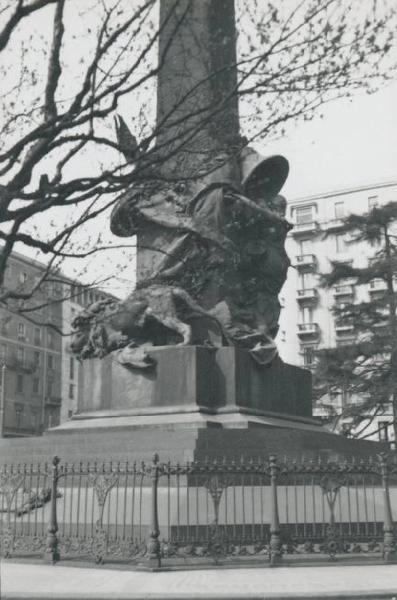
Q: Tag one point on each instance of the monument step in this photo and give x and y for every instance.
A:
(190, 443)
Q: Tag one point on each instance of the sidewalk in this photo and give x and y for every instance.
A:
(23, 581)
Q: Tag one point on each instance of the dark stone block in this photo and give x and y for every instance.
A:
(183, 376)
(277, 388)
(196, 376)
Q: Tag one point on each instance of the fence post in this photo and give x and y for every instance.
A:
(389, 543)
(51, 552)
(275, 539)
(153, 554)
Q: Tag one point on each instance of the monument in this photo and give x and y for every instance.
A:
(187, 365)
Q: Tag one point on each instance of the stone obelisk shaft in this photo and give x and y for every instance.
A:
(197, 113)
(197, 104)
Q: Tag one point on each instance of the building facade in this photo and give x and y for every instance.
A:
(77, 297)
(30, 351)
(307, 322)
(40, 380)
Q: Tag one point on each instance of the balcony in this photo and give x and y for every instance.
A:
(53, 401)
(307, 296)
(381, 327)
(344, 329)
(17, 364)
(345, 291)
(343, 259)
(377, 288)
(305, 262)
(311, 227)
(334, 225)
(308, 331)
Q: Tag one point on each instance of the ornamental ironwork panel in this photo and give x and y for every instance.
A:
(160, 512)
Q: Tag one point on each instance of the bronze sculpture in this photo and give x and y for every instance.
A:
(222, 260)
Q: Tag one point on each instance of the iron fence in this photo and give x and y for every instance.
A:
(154, 513)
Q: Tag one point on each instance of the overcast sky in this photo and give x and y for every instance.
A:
(354, 144)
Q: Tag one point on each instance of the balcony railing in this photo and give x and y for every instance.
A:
(308, 330)
(377, 285)
(309, 295)
(304, 228)
(343, 259)
(305, 261)
(344, 328)
(344, 290)
(17, 364)
(53, 400)
(336, 224)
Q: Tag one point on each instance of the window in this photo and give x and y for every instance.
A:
(18, 413)
(339, 210)
(71, 368)
(372, 202)
(37, 336)
(307, 314)
(57, 289)
(21, 355)
(34, 417)
(50, 361)
(50, 338)
(21, 330)
(308, 356)
(383, 431)
(346, 397)
(49, 387)
(306, 281)
(71, 391)
(8, 272)
(3, 352)
(340, 242)
(304, 214)
(23, 277)
(4, 324)
(306, 246)
(19, 386)
(35, 385)
(36, 358)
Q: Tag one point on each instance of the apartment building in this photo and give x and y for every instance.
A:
(307, 322)
(76, 297)
(40, 380)
(30, 352)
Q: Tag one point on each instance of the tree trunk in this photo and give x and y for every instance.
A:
(393, 328)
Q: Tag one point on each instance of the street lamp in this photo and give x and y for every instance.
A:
(2, 399)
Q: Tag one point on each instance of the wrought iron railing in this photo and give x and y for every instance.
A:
(158, 512)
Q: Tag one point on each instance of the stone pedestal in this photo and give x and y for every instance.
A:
(198, 379)
(198, 402)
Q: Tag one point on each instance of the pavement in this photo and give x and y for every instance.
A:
(22, 581)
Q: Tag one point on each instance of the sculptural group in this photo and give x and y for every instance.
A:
(214, 265)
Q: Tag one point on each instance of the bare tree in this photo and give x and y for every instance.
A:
(70, 68)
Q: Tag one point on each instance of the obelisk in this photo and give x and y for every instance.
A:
(197, 124)
(197, 103)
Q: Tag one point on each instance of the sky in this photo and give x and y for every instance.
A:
(354, 144)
